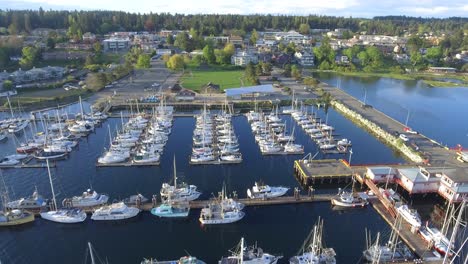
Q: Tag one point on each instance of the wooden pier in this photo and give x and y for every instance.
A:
(215, 162)
(283, 153)
(329, 170)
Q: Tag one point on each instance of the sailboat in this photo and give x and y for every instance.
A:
(249, 255)
(179, 193)
(182, 260)
(313, 251)
(13, 217)
(66, 216)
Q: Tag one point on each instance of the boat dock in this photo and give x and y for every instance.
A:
(25, 164)
(128, 164)
(328, 170)
(215, 162)
(282, 153)
(199, 204)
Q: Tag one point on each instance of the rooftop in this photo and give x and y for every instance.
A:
(266, 88)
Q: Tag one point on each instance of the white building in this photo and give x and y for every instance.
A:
(116, 44)
(243, 58)
(89, 37)
(453, 184)
(292, 36)
(304, 58)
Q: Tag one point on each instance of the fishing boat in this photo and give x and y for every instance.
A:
(215, 214)
(115, 211)
(35, 201)
(177, 193)
(89, 198)
(50, 155)
(26, 149)
(313, 251)
(249, 255)
(410, 215)
(392, 251)
(172, 210)
(15, 217)
(182, 260)
(262, 191)
(65, 216)
(348, 199)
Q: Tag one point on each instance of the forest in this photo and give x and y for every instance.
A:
(101, 22)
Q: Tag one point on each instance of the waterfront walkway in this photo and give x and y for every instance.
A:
(438, 155)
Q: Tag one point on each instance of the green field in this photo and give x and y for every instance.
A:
(433, 83)
(195, 80)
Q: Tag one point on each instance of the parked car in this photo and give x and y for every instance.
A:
(404, 137)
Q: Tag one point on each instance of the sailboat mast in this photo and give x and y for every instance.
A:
(455, 230)
(407, 119)
(175, 175)
(241, 257)
(81, 109)
(51, 185)
(90, 247)
(11, 109)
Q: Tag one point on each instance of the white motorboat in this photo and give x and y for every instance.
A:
(293, 148)
(212, 215)
(344, 142)
(410, 215)
(115, 211)
(35, 201)
(18, 126)
(8, 162)
(183, 260)
(17, 156)
(199, 158)
(89, 198)
(231, 157)
(136, 198)
(249, 255)
(270, 148)
(264, 191)
(146, 158)
(111, 157)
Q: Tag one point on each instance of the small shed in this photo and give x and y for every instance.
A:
(185, 95)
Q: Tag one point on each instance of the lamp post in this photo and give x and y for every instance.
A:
(350, 156)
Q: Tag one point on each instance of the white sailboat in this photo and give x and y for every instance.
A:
(66, 216)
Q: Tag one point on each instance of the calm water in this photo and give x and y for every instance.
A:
(439, 113)
(278, 229)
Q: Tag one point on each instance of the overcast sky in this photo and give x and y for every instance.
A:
(355, 8)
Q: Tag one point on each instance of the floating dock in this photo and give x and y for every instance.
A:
(215, 162)
(128, 164)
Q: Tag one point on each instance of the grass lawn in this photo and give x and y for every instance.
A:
(45, 98)
(195, 80)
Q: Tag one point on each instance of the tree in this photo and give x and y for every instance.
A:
(149, 25)
(30, 56)
(363, 58)
(310, 81)
(434, 54)
(267, 68)
(375, 57)
(96, 81)
(7, 85)
(259, 69)
(287, 70)
(50, 43)
(144, 61)
(182, 41)
(105, 28)
(12, 29)
(170, 39)
(414, 43)
(304, 29)
(229, 50)
(296, 72)
(250, 74)
(176, 62)
(4, 57)
(416, 59)
(89, 60)
(253, 37)
(208, 54)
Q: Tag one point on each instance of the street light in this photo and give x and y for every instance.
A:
(350, 156)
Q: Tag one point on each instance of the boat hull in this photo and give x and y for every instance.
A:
(28, 219)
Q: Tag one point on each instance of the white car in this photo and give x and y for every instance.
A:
(404, 137)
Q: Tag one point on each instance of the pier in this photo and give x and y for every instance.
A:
(329, 170)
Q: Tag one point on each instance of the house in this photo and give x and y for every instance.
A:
(418, 180)
(218, 39)
(291, 36)
(381, 174)
(243, 58)
(185, 95)
(282, 59)
(165, 33)
(342, 60)
(211, 88)
(236, 40)
(176, 88)
(116, 44)
(89, 37)
(304, 58)
(454, 184)
(162, 52)
(442, 69)
(265, 56)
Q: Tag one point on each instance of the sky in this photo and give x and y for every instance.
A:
(354, 8)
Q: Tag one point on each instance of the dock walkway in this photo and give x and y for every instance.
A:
(311, 171)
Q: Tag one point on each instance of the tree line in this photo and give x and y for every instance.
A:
(79, 22)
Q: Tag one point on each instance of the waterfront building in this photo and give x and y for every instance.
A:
(116, 44)
(243, 58)
(304, 58)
